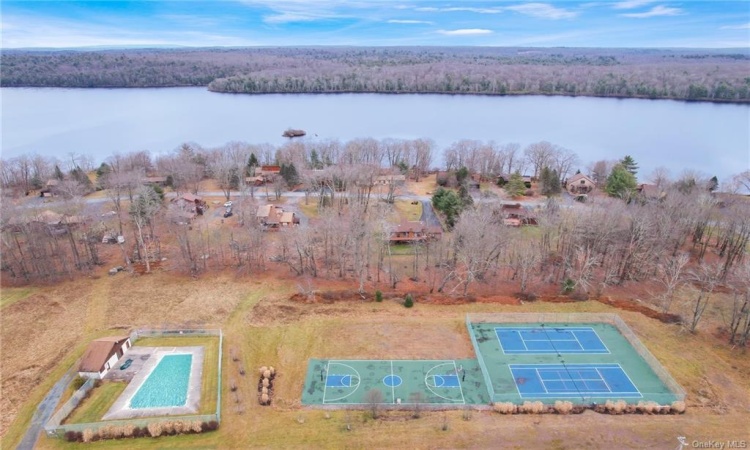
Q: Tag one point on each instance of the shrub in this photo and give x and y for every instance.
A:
(568, 286)
(263, 370)
(210, 426)
(648, 407)
(378, 296)
(264, 390)
(72, 436)
(563, 407)
(532, 407)
(505, 408)
(128, 431)
(267, 374)
(408, 301)
(617, 407)
(264, 399)
(272, 370)
(88, 435)
(678, 407)
(196, 426)
(266, 383)
(154, 429)
(78, 382)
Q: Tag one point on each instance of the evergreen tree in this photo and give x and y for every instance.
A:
(315, 160)
(620, 183)
(58, 173)
(252, 163)
(289, 174)
(515, 187)
(713, 184)
(462, 175)
(629, 164)
(550, 182)
(463, 194)
(448, 203)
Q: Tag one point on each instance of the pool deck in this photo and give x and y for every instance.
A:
(121, 409)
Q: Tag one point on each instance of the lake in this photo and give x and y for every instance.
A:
(711, 138)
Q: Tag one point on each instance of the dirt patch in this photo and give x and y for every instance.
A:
(630, 305)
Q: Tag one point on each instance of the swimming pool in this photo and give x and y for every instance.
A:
(166, 385)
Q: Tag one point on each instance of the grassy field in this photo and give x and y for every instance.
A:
(310, 210)
(8, 296)
(97, 404)
(264, 328)
(407, 210)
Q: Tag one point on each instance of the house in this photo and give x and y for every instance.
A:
(50, 188)
(102, 355)
(411, 232)
(269, 173)
(580, 184)
(155, 181)
(273, 217)
(254, 181)
(387, 180)
(191, 203)
(48, 220)
(515, 215)
(288, 219)
(650, 191)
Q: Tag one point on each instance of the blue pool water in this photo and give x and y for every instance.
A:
(167, 385)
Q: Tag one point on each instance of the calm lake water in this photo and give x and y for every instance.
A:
(711, 138)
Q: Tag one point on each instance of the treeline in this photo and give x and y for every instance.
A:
(675, 74)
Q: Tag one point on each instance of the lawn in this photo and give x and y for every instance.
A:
(310, 210)
(8, 296)
(210, 380)
(407, 210)
(99, 401)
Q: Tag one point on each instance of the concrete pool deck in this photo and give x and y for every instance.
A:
(121, 408)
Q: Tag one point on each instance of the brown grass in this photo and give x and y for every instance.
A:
(268, 329)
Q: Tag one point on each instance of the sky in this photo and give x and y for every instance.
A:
(234, 23)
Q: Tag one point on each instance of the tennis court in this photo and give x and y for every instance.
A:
(400, 382)
(572, 380)
(580, 362)
(550, 339)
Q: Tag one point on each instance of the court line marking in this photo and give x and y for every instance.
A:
(393, 388)
(572, 331)
(624, 394)
(359, 381)
(325, 385)
(604, 380)
(460, 388)
(427, 385)
(541, 381)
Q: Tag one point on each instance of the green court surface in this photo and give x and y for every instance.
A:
(564, 361)
(405, 382)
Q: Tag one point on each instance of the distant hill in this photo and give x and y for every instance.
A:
(686, 74)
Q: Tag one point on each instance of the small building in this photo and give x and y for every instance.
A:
(580, 184)
(50, 188)
(101, 355)
(288, 219)
(410, 232)
(269, 173)
(387, 180)
(154, 181)
(191, 203)
(516, 215)
(254, 181)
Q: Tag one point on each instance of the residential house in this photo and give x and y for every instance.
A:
(102, 355)
(191, 203)
(387, 180)
(269, 173)
(580, 184)
(516, 215)
(49, 220)
(156, 181)
(50, 188)
(650, 192)
(410, 232)
(254, 181)
(273, 217)
(288, 219)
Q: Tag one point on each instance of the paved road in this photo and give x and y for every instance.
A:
(44, 411)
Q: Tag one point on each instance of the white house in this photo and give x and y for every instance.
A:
(102, 355)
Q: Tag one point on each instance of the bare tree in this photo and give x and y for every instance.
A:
(670, 275)
(706, 277)
(374, 399)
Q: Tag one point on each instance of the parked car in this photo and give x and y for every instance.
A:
(228, 214)
(126, 364)
(228, 204)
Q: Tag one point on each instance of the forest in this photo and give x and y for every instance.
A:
(687, 242)
(701, 75)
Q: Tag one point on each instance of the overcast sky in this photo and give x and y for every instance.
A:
(628, 23)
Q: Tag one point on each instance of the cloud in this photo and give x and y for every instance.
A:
(465, 32)
(630, 4)
(460, 9)
(744, 26)
(542, 11)
(656, 11)
(410, 22)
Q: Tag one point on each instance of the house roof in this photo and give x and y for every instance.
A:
(53, 182)
(264, 210)
(274, 216)
(287, 217)
(191, 198)
(580, 176)
(270, 169)
(99, 351)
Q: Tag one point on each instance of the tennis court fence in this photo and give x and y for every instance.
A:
(677, 393)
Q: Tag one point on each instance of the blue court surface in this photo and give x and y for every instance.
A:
(540, 340)
(446, 381)
(338, 381)
(573, 380)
